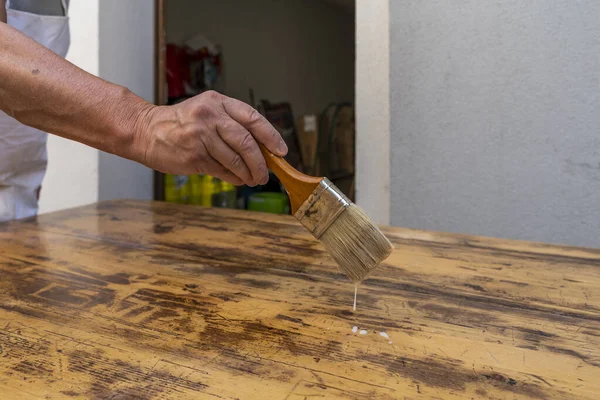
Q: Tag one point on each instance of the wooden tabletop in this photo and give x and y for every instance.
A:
(124, 300)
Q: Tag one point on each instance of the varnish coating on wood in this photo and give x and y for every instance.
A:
(125, 300)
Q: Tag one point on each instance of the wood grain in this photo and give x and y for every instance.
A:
(124, 300)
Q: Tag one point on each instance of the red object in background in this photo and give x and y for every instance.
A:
(203, 53)
(178, 70)
(181, 62)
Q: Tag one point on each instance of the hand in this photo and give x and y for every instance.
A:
(210, 133)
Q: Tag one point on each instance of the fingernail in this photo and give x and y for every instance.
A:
(282, 147)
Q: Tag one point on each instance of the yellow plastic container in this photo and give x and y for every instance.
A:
(177, 188)
(203, 190)
(207, 189)
(195, 189)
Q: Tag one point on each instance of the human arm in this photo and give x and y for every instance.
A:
(209, 133)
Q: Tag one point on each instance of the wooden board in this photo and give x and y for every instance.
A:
(125, 300)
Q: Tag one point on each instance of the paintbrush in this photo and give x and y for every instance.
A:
(354, 242)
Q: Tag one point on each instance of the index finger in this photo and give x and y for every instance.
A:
(256, 124)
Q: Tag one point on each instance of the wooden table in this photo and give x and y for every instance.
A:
(124, 300)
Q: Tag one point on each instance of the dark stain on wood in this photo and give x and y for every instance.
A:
(214, 227)
(162, 313)
(290, 319)
(155, 298)
(26, 283)
(162, 228)
(83, 280)
(135, 381)
(24, 310)
(527, 389)
(571, 280)
(62, 295)
(70, 393)
(263, 235)
(500, 378)
(446, 373)
(120, 278)
(224, 296)
(138, 311)
(475, 287)
(287, 249)
(381, 324)
(104, 297)
(484, 303)
(255, 283)
(32, 368)
(483, 278)
(573, 353)
(39, 257)
(534, 336)
(450, 374)
(514, 283)
(527, 346)
(235, 258)
(446, 313)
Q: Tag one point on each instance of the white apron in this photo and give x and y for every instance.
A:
(23, 156)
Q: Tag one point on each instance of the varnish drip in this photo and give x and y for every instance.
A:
(355, 292)
(385, 335)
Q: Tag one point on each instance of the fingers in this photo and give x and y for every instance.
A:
(213, 168)
(228, 158)
(258, 126)
(242, 142)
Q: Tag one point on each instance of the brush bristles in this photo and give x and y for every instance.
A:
(356, 243)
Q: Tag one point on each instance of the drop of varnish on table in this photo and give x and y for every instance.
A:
(364, 332)
(385, 335)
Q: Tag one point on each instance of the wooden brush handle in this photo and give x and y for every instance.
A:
(298, 185)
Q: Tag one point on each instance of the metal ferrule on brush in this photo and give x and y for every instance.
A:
(322, 208)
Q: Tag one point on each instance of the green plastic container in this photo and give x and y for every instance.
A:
(276, 203)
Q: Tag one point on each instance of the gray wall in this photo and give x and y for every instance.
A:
(495, 118)
(126, 47)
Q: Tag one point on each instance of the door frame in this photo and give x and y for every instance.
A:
(160, 86)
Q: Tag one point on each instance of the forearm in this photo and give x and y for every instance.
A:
(42, 90)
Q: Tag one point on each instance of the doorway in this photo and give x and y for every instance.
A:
(292, 60)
